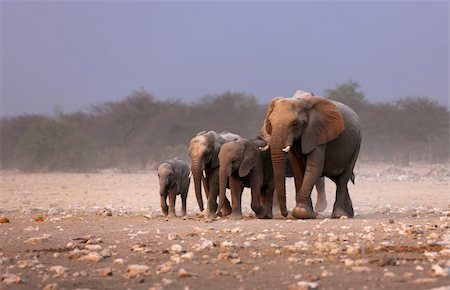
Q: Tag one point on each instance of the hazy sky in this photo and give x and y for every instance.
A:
(75, 54)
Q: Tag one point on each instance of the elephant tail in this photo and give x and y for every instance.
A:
(352, 178)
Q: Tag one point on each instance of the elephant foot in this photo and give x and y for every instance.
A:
(340, 212)
(284, 212)
(226, 211)
(172, 215)
(211, 215)
(321, 205)
(236, 216)
(302, 211)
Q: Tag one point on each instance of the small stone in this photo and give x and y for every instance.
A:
(189, 256)
(226, 244)
(39, 219)
(9, 279)
(177, 248)
(303, 285)
(136, 271)
(4, 220)
(104, 272)
(118, 262)
(425, 280)
(438, 271)
(166, 282)
(419, 268)
(58, 270)
(92, 257)
(182, 273)
(389, 275)
(173, 237)
(105, 212)
(93, 248)
(53, 286)
(105, 253)
(361, 269)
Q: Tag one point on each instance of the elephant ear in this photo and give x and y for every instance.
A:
(250, 157)
(266, 129)
(325, 123)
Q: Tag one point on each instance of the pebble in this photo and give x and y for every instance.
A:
(136, 271)
(58, 270)
(173, 237)
(52, 286)
(177, 248)
(361, 269)
(104, 272)
(188, 255)
(304, 285)
(92, 257)
(182, 273)
(10, 278)
(4, 220)
(438, 271)
(118, 261)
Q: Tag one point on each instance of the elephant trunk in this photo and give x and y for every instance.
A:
(197, 169)
(224, 173)
(277, 143)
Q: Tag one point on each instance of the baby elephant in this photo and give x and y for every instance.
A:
(174, 179)
(244, 165)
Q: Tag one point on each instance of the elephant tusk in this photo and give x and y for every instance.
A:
(204, 173)
(287, 148)
(265, 148)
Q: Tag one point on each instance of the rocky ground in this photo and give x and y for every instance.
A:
(105, 231)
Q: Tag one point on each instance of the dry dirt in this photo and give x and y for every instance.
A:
(96, 227)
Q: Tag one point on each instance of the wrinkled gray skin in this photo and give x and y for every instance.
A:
(323, 138)
(174, 180)
(204, 150)
(242, 164)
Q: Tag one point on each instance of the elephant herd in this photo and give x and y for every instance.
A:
(305, 136)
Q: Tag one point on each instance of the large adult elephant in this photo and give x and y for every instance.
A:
(323, 138)
(204, 150)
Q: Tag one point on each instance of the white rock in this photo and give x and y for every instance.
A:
(176, 248)
(226, 244)
(93, 248)
(182, 273)
(173, 237)
(188, 255)
(104, 272)
(10, 278)
(92, 257)
(58, 270)
(118, 261)
(438, 271)
(137, 270)
(303, 285)
(361, 269)
(52, 286)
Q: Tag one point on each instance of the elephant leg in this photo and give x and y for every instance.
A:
(172, 197)
(321, 203)
(267, 203)
(206, 186)
(213, 187)
(183, 203)
(343, 205)
(236, 189)
(313, 171)
(226, 209)
(164, 207)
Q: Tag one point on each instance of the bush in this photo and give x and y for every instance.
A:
(53, 145)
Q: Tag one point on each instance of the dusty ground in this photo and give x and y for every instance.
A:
(399, 239)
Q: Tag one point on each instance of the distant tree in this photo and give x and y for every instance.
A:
(53, 145)
(11, 131)
(347, 93)
(424, 129)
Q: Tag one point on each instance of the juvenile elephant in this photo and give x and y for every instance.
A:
(323, 138)
(174, 180)
(244, 165)
(204, 150)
